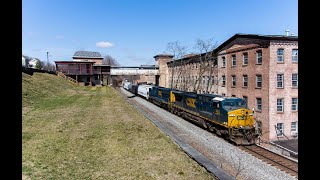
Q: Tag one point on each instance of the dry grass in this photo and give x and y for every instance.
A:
(71, 132)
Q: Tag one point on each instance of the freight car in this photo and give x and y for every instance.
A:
(134, 89)
(127, 85)
(143, 90)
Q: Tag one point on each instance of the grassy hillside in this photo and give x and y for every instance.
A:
(74, 132)
(43, 85)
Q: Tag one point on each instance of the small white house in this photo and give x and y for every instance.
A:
(33, 62)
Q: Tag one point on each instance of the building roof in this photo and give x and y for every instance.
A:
(163, 55)
(257, 36)
(238, 35)
(87, 54)
(71, 61)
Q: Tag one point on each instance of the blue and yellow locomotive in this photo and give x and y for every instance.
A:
(226, 116)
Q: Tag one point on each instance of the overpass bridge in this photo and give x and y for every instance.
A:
(134, 70)
(135, 74)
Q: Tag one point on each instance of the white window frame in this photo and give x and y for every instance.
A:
(223, 61)
(259, 104)
(233, 60)
(294, 105)
(245, 59)
(280, 80)
(223, 80)
(257, 80)
(245, 80)
(294, 55)
(293, 81)
(280, 127)
(294, 126)
(280, 104)
(280, 56)
(259, 57)
(234, 81)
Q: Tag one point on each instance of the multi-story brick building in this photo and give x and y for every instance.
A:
(263, 69)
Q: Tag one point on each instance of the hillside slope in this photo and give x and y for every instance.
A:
(42, 85)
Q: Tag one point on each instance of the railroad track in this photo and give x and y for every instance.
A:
(276, 160)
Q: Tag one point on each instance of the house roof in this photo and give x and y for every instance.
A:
(87, 54)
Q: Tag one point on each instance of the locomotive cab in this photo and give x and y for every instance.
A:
(240, 121)
(239, 115)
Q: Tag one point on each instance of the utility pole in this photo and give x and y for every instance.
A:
(47, 60)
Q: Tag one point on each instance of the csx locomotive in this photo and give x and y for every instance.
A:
(228, 117)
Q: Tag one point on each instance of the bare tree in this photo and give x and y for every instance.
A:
(237, 164)
(47, 66)
(178, 51)
(109, 60)
(207, 63)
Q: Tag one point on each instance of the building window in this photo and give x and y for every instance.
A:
(259, 57)
(294, 55)
(279, 80)
(280, 129)
(259, 104)
(223, 80)
(295, 80)
(294, 126)
(280, 55)
(223, 94)
(233, 80)
(294, 106)
(279, 105)
(258, 81)
(245, 98)
(233, 58)
(233, 95)
(223, 61)
(245, 58)
(245, 80)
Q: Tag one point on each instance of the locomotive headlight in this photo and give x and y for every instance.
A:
(232, 115)
(242, 112)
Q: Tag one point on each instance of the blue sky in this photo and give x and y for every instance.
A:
(134, 31)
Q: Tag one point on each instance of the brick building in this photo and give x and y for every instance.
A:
(263, 69)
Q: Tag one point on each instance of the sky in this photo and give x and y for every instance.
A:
(134, 31)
